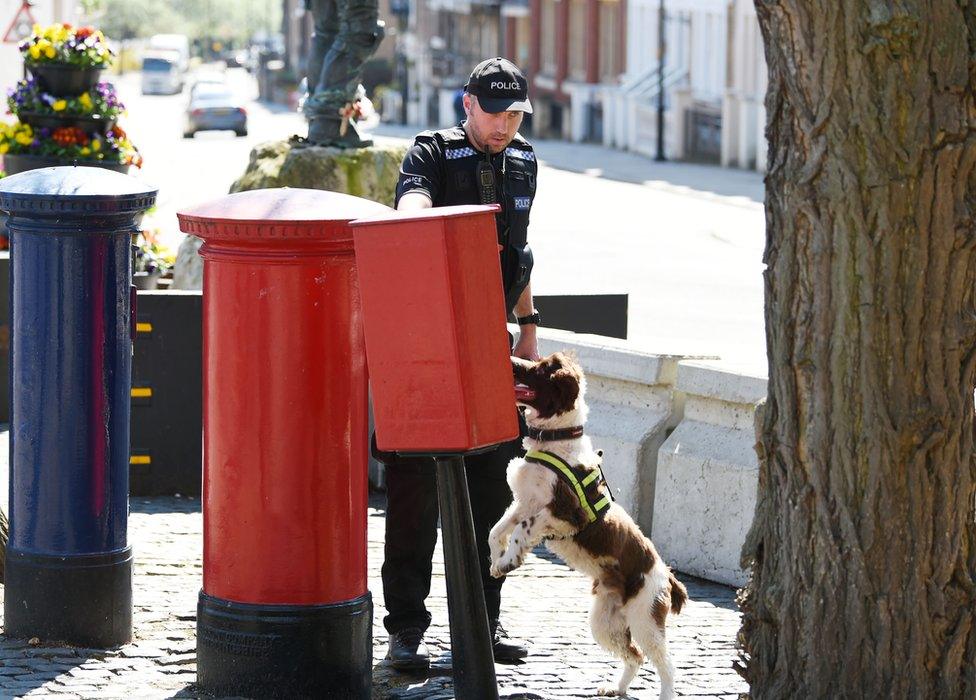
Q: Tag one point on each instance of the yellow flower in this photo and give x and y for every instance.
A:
(50, 52)
(4, 147)
(85, 100)
(36, 29)
(96, 145)
(34, 51)
(59, 105)
(55, 32)
(86, 151)
(21, 133)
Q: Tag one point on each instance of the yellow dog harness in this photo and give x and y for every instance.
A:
(594, 504)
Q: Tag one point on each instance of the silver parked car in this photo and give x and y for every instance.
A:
(214, 107)
(161, 74)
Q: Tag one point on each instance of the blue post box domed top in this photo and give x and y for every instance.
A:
(74, 191)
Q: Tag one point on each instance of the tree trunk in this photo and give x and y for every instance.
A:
(862, 549)
(4, 530)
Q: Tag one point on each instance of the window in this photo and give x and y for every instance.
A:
(610, 67)
(577, 39)
(522, 40)
(547, 28)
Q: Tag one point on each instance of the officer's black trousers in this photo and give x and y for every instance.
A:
(411, 530)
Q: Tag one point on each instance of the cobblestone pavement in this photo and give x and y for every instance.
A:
(544, 602)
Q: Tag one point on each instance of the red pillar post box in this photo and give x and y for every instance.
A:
(284, 609)
(434, 314)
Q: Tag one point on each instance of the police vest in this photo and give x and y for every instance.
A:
(515, 177)
(589, 485)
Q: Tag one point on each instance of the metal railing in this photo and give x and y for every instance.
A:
(645, 86)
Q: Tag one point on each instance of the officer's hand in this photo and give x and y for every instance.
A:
(527, 346)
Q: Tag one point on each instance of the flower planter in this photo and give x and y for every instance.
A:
(64, 79)
(14, 163)
(146, 280)
(90, 124)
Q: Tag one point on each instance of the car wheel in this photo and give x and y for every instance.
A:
(188, 134)
(241, 132)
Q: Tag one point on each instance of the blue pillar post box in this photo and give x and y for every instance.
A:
(68, 562)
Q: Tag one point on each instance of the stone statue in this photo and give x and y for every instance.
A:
(347, 32)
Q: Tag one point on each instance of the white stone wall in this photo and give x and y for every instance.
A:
(632, 408)
(708, 473)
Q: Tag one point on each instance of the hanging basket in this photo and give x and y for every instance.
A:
(14, 163)
(90, 123)
(64, 79)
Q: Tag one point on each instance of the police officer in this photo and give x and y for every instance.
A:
(482, 160)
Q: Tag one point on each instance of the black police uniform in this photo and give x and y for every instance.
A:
(444, 165)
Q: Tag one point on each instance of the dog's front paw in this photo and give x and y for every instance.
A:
(496, 549)
(608, 691)
(505, 565)
(496, 572)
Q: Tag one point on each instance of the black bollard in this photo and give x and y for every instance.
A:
(473, 661)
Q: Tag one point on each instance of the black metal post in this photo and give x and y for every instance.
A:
(404, 24)
(473, 662)
(661, 52)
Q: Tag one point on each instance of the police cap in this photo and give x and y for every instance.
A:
(500, 86)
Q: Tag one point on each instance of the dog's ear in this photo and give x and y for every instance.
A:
(566, 384)
(520, 367)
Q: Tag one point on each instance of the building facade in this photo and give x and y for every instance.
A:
(577, 56)
(594, 68)
(713, 78)
(743, 106)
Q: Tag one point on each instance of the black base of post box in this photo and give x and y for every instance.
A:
(285, 650)
(82, 600)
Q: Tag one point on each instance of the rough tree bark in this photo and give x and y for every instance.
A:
(864, 546)
(4, 529)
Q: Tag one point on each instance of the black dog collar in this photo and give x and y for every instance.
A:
(557, 434)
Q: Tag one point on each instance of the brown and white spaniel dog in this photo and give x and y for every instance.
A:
(633, 590)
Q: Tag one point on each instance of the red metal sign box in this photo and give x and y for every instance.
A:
(434, 321)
